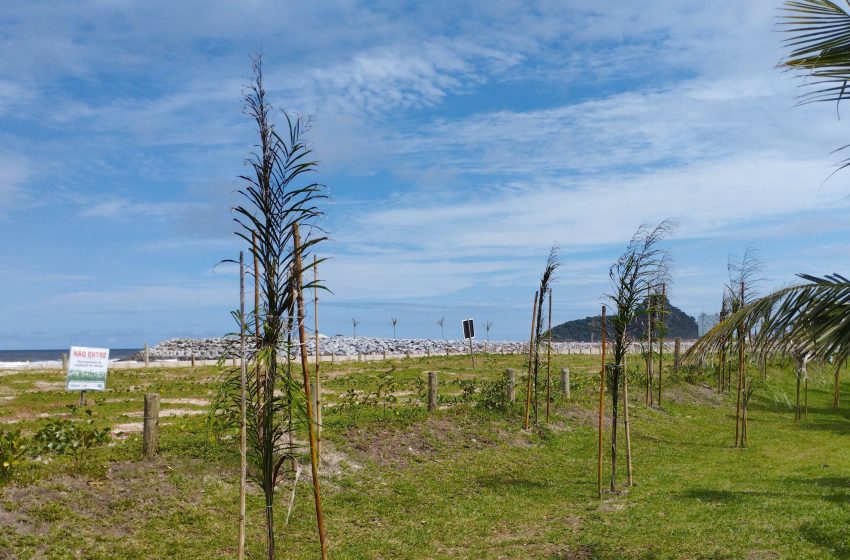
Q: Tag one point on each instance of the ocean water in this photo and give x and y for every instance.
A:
(18, 356)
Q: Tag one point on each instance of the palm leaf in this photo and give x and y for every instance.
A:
(812, 318)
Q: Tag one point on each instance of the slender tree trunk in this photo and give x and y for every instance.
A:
(837, 393)
(797, 408)
(258, 337)
(530, 361)
(270, 549)
(615, 405)
(302, 340)
(549, 361)
(629, 481)
(806, 402)
(601, 409)
(741, 378)
(243, 449)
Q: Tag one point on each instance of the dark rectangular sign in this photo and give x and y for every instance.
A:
(468, 329)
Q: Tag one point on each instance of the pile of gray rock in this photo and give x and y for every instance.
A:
(214, 348)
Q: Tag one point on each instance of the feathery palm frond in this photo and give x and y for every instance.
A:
(811, 318)
(820, 39)
(546, 280)
(276, 196)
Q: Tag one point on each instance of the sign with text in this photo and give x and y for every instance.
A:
(87, 369)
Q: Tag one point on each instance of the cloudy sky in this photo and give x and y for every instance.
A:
(458, 140)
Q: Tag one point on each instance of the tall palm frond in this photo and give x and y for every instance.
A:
(546, 280)
(820, 38)
(811, 318)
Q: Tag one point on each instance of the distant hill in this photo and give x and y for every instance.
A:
(678, 324)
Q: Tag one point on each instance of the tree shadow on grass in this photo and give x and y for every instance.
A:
(711, 495)
(503, 482)
(833, 538)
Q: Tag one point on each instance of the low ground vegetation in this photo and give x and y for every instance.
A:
(464, 481)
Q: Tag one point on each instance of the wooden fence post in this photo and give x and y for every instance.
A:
(193, 360)
(147, 360)
(565, 381)
(65, 363)
(432, 390)
(510, 375)
(150, 445)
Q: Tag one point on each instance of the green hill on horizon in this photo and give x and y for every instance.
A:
(678, 323)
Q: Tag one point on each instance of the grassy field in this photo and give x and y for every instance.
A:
(461, 482)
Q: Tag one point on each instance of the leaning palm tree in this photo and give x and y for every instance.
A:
(634, 274)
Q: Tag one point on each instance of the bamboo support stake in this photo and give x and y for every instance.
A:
(661, 338)
(530, 362)
(549, 361)
(302, 340)
(318, 358)
(601, 407)
(243, 447)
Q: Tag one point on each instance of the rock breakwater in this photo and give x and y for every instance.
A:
(215, 348)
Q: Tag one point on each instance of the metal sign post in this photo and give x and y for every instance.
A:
(469, 333)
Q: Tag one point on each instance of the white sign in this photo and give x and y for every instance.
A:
(87, 369)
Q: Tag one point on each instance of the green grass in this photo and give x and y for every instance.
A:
(456, 483)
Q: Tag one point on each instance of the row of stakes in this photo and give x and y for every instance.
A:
(150, 427)
(510, 376)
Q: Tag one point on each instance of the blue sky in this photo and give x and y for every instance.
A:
(459, 141)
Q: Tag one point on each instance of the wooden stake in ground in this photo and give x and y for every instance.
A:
(601, 408)
(302, 340)
(549, 361)
(318, 358)
(243, 447)
(661, 338)
(530, 361)
(150, 426)
(649, 349)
